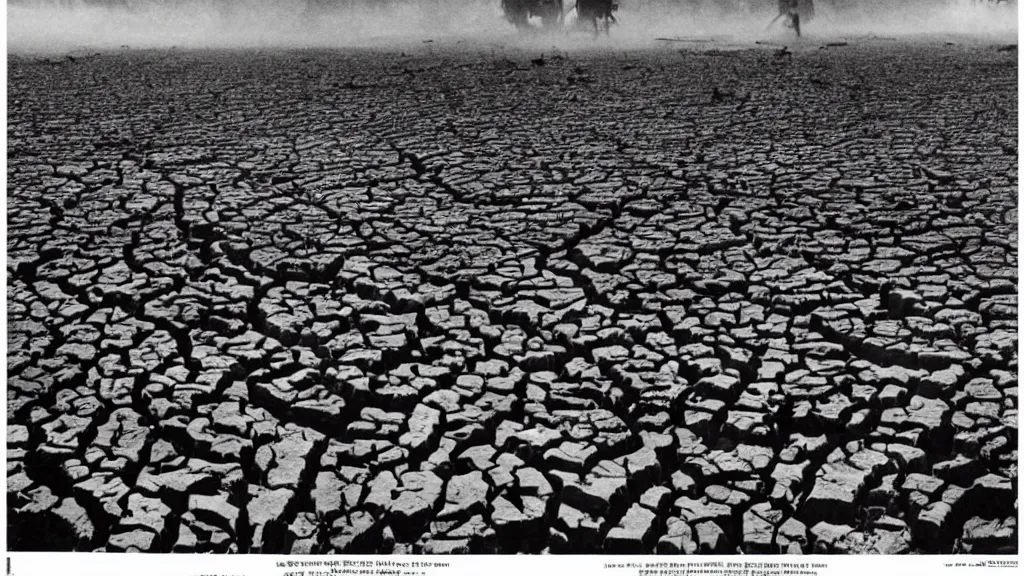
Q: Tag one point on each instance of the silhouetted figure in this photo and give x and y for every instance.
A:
(599, 13)
(519, 12)
(795, 13)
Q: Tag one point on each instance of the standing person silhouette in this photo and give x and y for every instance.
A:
(795, 12)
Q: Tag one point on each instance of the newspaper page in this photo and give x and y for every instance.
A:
(462, 287)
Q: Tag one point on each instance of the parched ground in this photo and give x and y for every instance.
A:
(459, 300)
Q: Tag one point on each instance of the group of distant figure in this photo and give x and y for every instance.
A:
(597, 14)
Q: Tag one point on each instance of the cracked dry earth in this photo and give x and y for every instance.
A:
(459, 301)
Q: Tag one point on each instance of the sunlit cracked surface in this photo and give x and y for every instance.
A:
(477, 301)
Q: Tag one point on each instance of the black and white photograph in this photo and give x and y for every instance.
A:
(414, 278)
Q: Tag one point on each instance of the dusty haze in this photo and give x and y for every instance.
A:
(43, 26)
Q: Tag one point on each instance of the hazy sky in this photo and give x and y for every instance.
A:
(47, 24)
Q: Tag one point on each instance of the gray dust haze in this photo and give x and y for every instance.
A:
(62, 25)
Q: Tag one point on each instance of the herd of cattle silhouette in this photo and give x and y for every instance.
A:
(600, 14)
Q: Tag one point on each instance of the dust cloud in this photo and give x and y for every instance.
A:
(69, 25)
